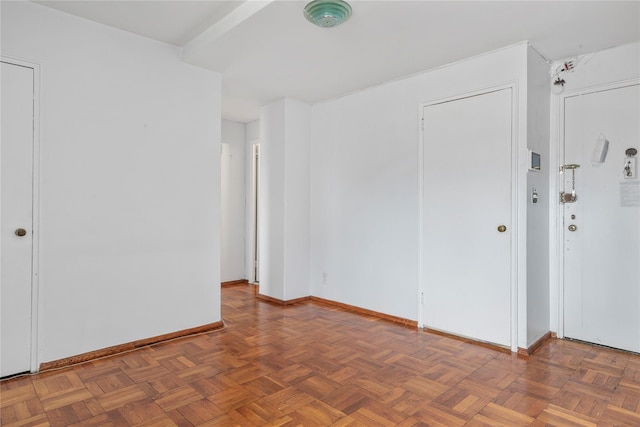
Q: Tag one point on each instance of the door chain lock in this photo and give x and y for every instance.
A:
(569, 197)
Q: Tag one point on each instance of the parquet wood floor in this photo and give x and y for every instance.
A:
(311, 364)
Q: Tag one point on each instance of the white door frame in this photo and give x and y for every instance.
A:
(515, 184)
(253, 250)
(35, 251)
(557, 262)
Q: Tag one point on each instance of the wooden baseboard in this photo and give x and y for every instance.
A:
(359, 310)
(234, 283)
(481, 343)
(110, 351)
(526, 352)
(282, 302)
(406, 322)
(347, 307)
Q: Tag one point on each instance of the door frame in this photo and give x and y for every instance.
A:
(253, 230)
(557, 208)
(35, 224)
(515, 185)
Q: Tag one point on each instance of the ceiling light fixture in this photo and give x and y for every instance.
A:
(327, 13)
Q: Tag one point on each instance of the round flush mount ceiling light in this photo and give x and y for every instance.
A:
(327, 13)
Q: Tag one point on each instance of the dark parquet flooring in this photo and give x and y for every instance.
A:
(311, 364)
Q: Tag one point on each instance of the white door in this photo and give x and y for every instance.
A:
(16, 218)
(467, 199)
(602, 254)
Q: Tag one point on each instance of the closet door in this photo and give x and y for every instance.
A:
(467, 213)
(16, 218)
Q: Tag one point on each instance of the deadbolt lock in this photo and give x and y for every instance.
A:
(572, 227)
(20, 232)
(502, 228)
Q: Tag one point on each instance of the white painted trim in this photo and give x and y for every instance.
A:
(35, 248)
(420, 284)
(252, 249)
(557, 262)
(554, 163)
(249, 198)
(515, 183)
(463, 95)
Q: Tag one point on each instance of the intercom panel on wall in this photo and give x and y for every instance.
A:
(534, 161)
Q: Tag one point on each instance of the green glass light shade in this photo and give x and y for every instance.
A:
(327, 13)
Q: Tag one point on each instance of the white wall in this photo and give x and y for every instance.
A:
(252, 130)
(297, 199)
(538, 105)
(233, 188)
(271, 203)
(364, 183)
(284, 199)
(130, 183)
(610, 66)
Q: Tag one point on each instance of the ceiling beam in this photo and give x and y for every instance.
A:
(209, 36)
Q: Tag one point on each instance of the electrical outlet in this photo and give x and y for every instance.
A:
(324, 277)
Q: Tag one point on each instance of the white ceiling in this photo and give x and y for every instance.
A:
(174, 22)
(266, 50)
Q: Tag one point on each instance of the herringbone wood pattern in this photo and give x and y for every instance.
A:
(309, 364)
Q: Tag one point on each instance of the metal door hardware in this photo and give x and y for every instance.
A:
(20, 232)
(569, 197)
(572, 227)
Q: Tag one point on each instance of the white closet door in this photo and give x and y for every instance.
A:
(16, 218)
(467, 216)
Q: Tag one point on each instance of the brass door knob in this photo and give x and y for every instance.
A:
(572, 227)
(21, 232)
(502, 228)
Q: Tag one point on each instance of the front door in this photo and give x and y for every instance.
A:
(16, 218)
(602, 227)
(466, 219)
